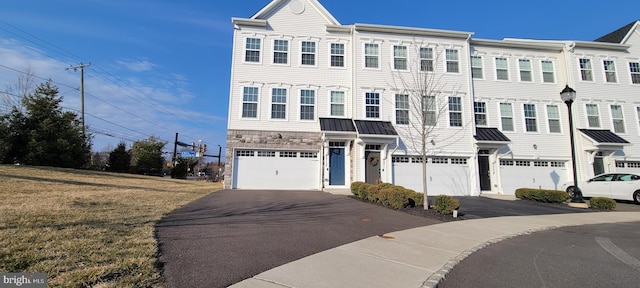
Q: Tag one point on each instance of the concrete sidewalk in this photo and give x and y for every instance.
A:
(418, 257)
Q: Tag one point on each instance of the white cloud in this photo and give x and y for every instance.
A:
(123, 106)
(136, 66)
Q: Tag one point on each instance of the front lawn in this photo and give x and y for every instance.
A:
(86, 228)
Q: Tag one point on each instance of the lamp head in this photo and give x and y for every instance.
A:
(568, 94)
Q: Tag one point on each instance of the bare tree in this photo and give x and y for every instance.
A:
(422, 102)
(14, 93)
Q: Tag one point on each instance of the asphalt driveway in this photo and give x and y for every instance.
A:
(232, 235)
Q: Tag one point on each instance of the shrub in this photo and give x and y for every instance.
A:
(387, 194)
(355, 187)
(603, 203)
(445, 204)
(418, 198)
(540, 195)
(397, 197)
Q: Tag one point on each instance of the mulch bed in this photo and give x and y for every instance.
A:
(420, 212)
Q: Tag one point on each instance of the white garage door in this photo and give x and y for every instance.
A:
(445, 176)
(532, 174)
(628, 167)
(287, 170)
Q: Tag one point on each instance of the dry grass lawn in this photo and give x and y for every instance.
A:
(86, 228)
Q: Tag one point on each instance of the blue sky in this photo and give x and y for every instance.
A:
(163, 66)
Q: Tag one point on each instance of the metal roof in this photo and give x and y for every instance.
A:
(337, 125)
(490, 134)
(368, 127)
(603, 136)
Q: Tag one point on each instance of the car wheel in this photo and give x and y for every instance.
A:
(636, 197)
(571, 190)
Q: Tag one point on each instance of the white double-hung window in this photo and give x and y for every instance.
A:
(279, 103)
(250, 102)
(586, 71)
(253, 50)
(593, 115)
(280, 51)
(502, 68)
(400, 58)
(372, 105)
(307, 104)
(371, 54)
(337, 103)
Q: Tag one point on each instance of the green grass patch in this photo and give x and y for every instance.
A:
(87, 228)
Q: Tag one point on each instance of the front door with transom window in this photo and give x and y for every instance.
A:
(336, 166)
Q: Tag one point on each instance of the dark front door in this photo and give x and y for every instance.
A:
(483, 168)
(372, 167)
(598, 165)
(336, 166)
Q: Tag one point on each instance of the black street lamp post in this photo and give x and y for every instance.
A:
(568, 95)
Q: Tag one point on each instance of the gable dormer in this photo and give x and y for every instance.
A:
(291, 17)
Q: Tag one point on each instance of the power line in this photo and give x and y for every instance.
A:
(152, 103)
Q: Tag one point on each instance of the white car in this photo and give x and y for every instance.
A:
(620, 186)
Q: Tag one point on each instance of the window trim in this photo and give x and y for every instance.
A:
(559, 119)
(502, 117)
(257, 102)
(476, 113)
(524, 118)
(260, 50)
(286, 104)
(553, 72)
(273, 62)
(315, 105)
(586, 113)
(631, 72)
(379, 105)
(614, 71)
(365, 55)
(481, 67)
(583, 70)
(520, 70)
(406, 109)
(315, 53)
(637, 108)
(426, 59)
(613, 126)
(456, 61)
(495, 66)
(343, 55)
(451, 112)
(344, 103)
(395, 57)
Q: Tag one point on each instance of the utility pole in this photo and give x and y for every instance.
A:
(175, 150)
(75, 68)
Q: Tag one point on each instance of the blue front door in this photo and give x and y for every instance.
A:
(336, 166)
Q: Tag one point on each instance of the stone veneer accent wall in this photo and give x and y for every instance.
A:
(276, 140)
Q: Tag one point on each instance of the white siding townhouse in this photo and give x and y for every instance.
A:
(317, 105)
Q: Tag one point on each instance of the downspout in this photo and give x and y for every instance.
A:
(472, 97)
(355, 159)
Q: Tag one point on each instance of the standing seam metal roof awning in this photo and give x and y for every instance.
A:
(337, 125)
(490, 135)
(382, 128)
(605, 137)
(362, 127)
